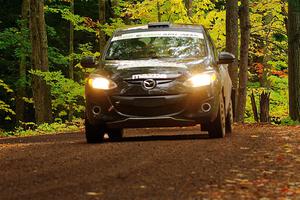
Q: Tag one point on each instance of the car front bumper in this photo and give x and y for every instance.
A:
(151, 111)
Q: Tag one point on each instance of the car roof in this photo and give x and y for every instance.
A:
(161, 26)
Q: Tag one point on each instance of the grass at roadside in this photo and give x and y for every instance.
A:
(30, 129)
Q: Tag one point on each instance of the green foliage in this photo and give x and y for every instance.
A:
(84, 50)
(204, 12)
(8, 38)
(3, 106)
(110, 28)
(15, 39)
(289, 121)
(67, 95)
(6, 108)
(5, 87)
(30, 128)
(80, 23)
(278, 98)
(268, 31)
(56, 58)
(147, 11)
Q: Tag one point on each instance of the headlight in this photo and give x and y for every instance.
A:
(102, 83)
(199, 80)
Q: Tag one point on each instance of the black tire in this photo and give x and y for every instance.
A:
(216, 129)
(229, 118)
(115, 134)
(94, 134)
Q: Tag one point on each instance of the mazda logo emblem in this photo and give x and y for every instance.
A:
(149, 84)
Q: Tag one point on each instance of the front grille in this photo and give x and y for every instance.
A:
(158, 82)
(149, 106)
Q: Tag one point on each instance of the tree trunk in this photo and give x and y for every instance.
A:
(158, 12)
(294, 59)
(264, 107)
(102, 39)
(232, 45)
(254, 107)
(71, 44)
(114, 4)
(267, 57)
(189, 7)
(285, 14)
(39, 59)
(21, 91)
(71, 52)
(244, 52)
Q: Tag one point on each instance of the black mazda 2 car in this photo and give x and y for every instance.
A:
(158, 75)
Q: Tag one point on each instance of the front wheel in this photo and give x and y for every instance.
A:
(93, 133)
(229, 118)
(216, 129)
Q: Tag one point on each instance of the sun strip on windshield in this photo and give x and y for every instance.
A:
(158, 34)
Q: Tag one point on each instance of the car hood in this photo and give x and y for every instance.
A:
(160, 68)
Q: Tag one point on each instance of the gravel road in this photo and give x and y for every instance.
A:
(254, 162)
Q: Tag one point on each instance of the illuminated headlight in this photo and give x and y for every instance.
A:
(102, 83)
(200, 80)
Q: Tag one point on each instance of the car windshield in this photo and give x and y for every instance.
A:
(155, 45)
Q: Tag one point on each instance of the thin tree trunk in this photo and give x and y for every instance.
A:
(189, 7)
(244, 53)
(254, 107)
(71, 52)
(264, 107)
(294, 59)
(71, 44)
(102, 39)
(267, 68)
(285, 14)
(264, 81)
(190, 10)
(158, 12)
(232, 38)
(21, 91)
(114, 4)
(39, 58)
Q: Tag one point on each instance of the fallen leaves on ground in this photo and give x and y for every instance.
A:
(275, 166)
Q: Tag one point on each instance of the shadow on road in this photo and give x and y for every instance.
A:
(79, 138)
(161, 138)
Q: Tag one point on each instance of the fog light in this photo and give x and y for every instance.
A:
(206, 107)
(96, 110)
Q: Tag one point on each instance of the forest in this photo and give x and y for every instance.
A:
(42, 43)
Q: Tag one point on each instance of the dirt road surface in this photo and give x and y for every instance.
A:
(254, 162)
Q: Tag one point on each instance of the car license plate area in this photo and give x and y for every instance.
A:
(149, 106)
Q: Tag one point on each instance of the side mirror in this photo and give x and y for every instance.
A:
(88, 62)
(226, 58)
